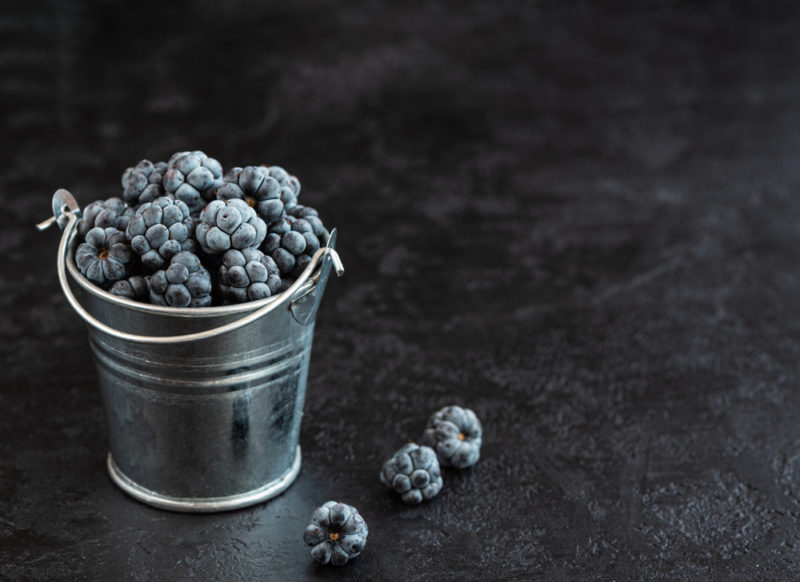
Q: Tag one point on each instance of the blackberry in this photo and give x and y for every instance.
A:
(134, 287)
(192, 177)
(185, 283)
(254, 185)
(414, 473)
(143, 182)
(455, 434)
(159, 230)
(104, 256)
(337, 533)
(229, 224)
(247, 275)
(104, 214)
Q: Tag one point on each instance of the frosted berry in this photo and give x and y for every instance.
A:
(254, 185)
(229, 224)
(104, 256)
(185, 283)
(414, 473)
(455, 434)
(104, 214)
(134, 287)
(143, 182)
(159, 230)
(192, 177)
(337, 533)
(247, 275)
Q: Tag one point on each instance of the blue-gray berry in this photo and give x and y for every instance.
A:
(109, 213)
(104, 256)
(185, 283)
(192, 177)
(455, 434)
(143, 182)
(254, 185)
(134, 287)
(337, 533)
(159, 230)
(247, 275)
(414, 473)
(230, 224)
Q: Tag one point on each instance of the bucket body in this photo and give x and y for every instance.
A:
(204, 425)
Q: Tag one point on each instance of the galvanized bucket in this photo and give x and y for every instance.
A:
(203, 405)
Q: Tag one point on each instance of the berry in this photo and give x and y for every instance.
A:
(104, 257)
(229, 225)
(455, 434)
(104, 214)
(280, 227)
(185, 283)
(192, 177)
(294, 242)
(143, 182)
(159, 230)
(414, 473)
(337, 533)
(134, 287)
(248, 275)
(282, 176)
(254, 185)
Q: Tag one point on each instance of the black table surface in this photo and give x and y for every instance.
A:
(580, 220)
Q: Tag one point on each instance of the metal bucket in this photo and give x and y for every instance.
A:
(203, 405)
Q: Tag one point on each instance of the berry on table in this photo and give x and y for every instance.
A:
(337, 533)
(414, 473)
(104, 256)
(455, 434)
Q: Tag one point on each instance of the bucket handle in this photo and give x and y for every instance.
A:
(66, 213)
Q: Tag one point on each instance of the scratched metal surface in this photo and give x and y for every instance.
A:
(582, 222)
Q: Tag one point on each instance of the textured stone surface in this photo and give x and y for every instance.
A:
(582, 223)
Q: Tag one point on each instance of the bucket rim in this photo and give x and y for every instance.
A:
(214, 311)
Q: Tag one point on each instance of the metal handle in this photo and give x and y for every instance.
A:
(64, 205)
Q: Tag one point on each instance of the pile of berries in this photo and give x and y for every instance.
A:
(184, 234)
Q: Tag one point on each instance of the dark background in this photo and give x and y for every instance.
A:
(580, 221)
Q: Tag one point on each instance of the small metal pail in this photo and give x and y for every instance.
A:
(203, 405)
